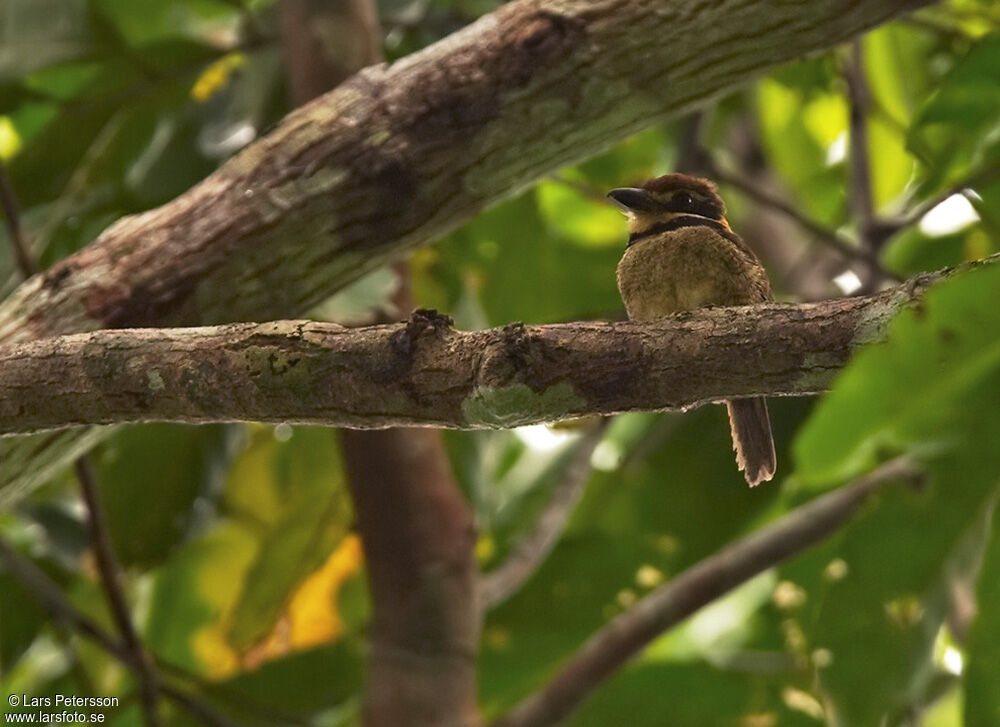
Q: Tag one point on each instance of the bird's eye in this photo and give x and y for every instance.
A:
(683, 199)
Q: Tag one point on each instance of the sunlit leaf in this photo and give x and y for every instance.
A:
(300, 481)
(577, 217)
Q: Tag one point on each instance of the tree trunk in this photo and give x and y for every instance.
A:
(417, 530)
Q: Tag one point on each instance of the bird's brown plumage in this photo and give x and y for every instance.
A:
(678, 260)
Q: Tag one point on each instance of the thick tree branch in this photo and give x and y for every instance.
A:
(400, 154)
(621, 639)
(419, 538)
(423, 372)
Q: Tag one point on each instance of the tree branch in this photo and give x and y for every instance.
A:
(861, 195)
(109, 570)
(12, 219)
(425, 373)
(621, 639)
(831, 238)
(398, 155)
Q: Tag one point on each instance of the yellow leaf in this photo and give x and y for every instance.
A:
(312, 617)
(10, 140)
(215, 76)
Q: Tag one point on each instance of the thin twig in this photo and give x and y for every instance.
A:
(872, 233)
(506, 579)
(978, 178)
(859, 189)
(621, 639)
(51, 598)
(12, 220)
(109, 569)
(820, 232)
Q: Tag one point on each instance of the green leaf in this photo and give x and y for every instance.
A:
(892, 166)
(20, 621)
(579, 218)
(913, 252)
(955, 125)
(302, 683)
(192, 593)
(930, 391)
(896, 64)
(688, 695)
(923, 388)
(37, 33)
(677, 501)
(797, 128)
(524, 270)
(584, 582)
(142, 24)
(151, 476)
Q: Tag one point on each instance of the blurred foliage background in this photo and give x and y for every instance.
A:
(240, 560)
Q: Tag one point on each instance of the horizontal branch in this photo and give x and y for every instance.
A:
(621, 639)
(423, 372)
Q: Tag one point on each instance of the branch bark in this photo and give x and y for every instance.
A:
(621, 639)
(424, 373)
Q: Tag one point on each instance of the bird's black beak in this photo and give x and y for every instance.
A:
(633, 199)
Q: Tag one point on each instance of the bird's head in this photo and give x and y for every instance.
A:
(662, 199)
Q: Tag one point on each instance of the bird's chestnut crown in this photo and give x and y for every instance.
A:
(665, 197)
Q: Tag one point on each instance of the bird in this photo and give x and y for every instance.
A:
(682, 254)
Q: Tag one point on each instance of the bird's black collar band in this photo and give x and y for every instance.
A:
(675, 224)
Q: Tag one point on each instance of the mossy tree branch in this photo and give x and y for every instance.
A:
(423, 372)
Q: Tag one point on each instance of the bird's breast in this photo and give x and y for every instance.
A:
(691, 267)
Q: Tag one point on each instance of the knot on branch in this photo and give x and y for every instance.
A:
(422, 322)
(506, 357)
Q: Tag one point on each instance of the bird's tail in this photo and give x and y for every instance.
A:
(752, 438)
